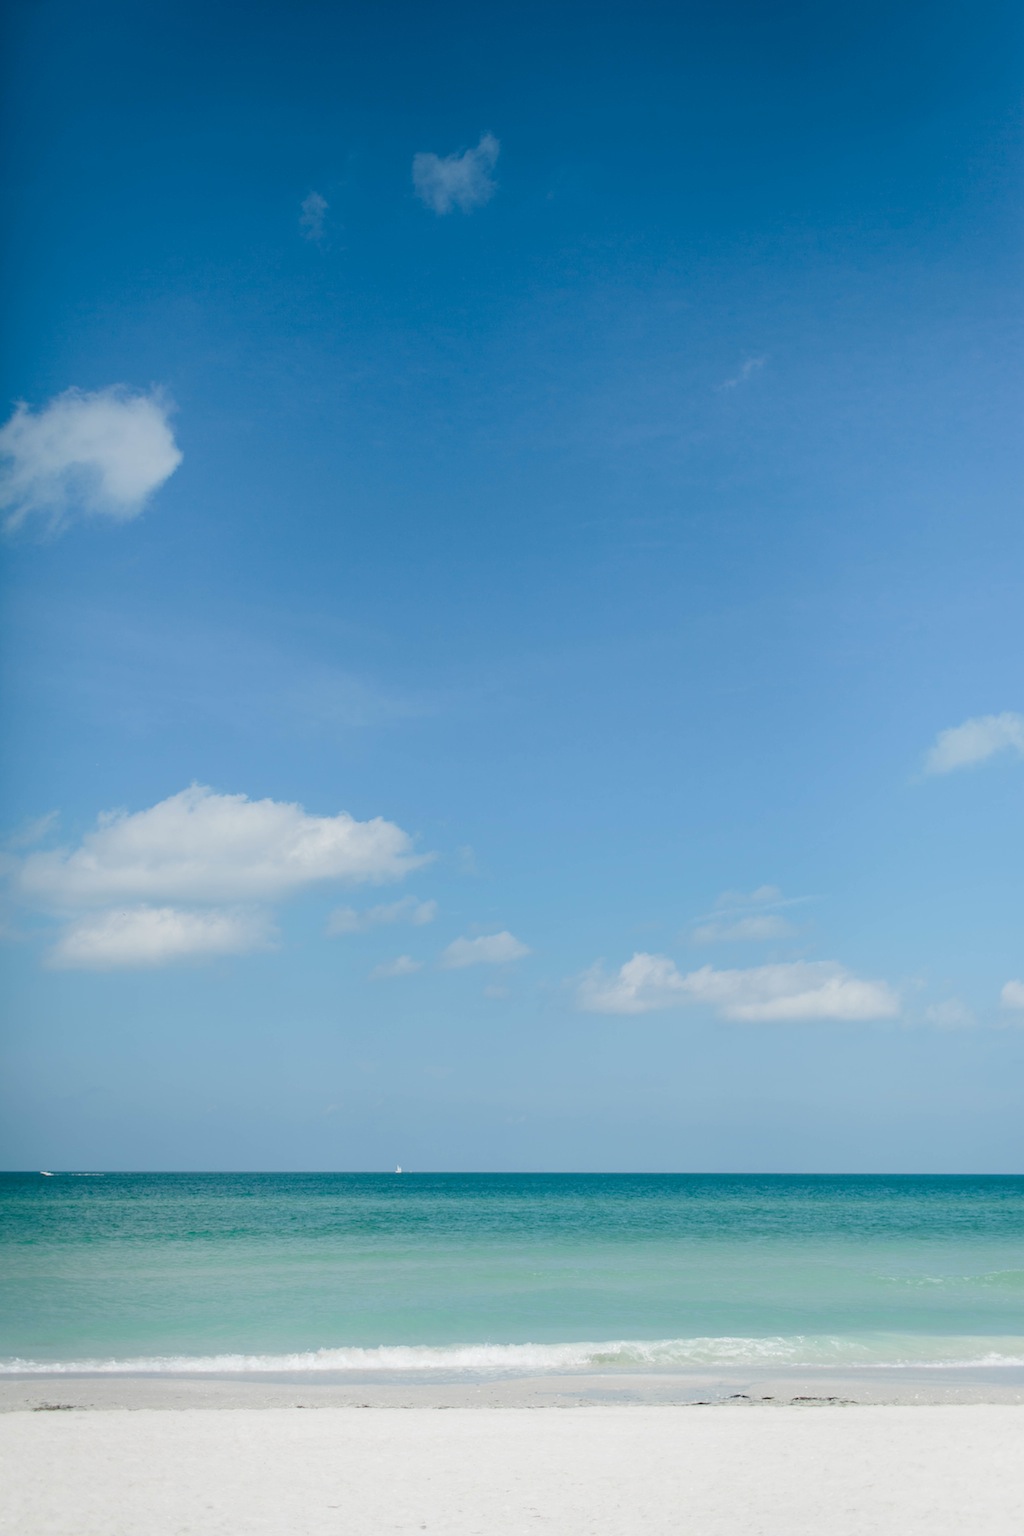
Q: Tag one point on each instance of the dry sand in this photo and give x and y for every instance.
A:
(944, 1470)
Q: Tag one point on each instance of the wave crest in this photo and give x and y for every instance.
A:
(529, 1359)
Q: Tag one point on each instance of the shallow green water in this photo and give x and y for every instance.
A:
(446, 1271)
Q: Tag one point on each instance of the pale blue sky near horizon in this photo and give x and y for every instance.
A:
(599, 435)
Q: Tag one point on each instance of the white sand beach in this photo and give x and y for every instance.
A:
(944, 1470)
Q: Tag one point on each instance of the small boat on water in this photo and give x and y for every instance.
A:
(44, 1173)
(398, 1169)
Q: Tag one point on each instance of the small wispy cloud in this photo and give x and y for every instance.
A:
(489, 949)
(981, 737)
(102, 454)
(409, 910)
(763, 896)
(1012, 995)
(34, 831)
(463, 181)
(744, 930)
(951, 1013)
(746, 917)
(745, 372)
(803, 990)
(311, 217)
(402, 965)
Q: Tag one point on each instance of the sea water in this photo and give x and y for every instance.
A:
(506, 1272)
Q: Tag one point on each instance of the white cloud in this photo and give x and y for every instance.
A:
(101, 454)
(311, 219)
(974, 741)
(403, 965)
(818, 989)
(761, 994)
(1012, 995)
(350, 920)
(150, 936)
(644, 983)
(743, 930)
(202, 846)
(490, 949)
(747, 369)
(456, 181)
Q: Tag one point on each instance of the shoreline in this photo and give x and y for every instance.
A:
(902, 1386)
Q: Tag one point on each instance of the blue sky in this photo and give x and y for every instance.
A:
(513, 588)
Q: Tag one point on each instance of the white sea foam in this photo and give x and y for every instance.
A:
(530, 1359)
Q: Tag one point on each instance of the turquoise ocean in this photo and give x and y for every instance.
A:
(411, 1273)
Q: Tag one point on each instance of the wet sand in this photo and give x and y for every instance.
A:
(380, 1389)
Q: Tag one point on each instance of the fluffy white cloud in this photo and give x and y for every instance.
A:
(201, 846)
(490, 949)
(760, 994)
(743, 930)
(1012, 995)
(349, 920)
(311, 219)
(802, 990)
(974, 741)
(103, 453)
(151, 936)
(463, 181)
(402, 965)
(642, 984)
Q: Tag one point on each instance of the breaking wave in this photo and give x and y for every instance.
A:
(893, 1350)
